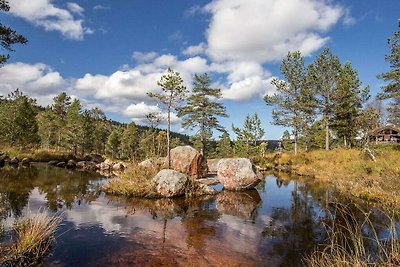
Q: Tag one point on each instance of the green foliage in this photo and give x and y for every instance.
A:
(113, 145)
(8, 36)
(392, 89)
(322, 78)
(348, 99)
(17, 120)
(202, 109)
(173, 92)
(224, 146)
(130, 141)
(248, 136)
(294, 102)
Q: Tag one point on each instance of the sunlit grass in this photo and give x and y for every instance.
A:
(354, 242)
(31, 240)
(136, 181)
(350, 172)
(37, 155)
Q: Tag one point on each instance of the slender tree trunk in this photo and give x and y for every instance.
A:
(168, 136)
(295, 140)
(327, 121)
(203, 144)
(345, 141)
(326, 135)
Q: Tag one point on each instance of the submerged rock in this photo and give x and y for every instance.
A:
(81, 165)
(25, 162)
(53, 162)
(238, 174)
(61, 164)
(170, 183)
(14, 161)
(71, 164)
(187, 160)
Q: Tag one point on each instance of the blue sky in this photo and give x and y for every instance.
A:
(110, 53)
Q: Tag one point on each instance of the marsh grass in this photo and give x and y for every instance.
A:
(352, 241)
(37, 155)
(350, 172)
(136, 181)
(31, 240)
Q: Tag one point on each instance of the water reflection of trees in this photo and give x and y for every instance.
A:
(295, 230)
(61, 188)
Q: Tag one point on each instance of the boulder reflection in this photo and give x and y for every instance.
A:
(242, 204)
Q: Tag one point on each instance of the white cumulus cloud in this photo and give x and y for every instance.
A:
(45, 14)
(37, 80)
(265, 30)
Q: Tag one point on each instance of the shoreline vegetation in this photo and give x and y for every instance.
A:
(349, 171)
(29, 240)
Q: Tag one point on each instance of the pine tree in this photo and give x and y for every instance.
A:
(202, 109)
(348, 100)
(8, 36)
(113, 145)
(322, 76)
(392, 89)
(73, 128)
(48, 130)
(224, 146)
(173, 92)
(293, 101)
(249, 135)
(17, 120)
(130, 141)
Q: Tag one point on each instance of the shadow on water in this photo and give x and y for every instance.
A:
(274, 225)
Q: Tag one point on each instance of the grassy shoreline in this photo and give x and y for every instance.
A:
(349, 171)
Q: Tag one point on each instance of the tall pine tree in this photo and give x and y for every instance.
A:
(322, 77)
(202, 109)
(392, 89)
(173, 92)
(294, 102)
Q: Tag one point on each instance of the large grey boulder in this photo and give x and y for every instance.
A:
(187, 160)
(170, 183)
(212, 165)
(238, 174)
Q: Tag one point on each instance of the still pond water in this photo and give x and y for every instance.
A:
(274, 225)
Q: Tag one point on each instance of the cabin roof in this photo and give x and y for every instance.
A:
(383, 128)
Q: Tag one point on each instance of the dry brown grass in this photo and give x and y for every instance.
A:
(32, 238)
(355, 242)
(136, 181)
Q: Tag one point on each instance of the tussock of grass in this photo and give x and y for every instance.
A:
(355, 242)
(32, 238)
(134, 182)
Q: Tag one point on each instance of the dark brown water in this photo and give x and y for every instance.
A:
(275, 225)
